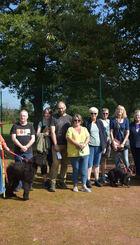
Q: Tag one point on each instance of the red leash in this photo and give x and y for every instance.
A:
(2, 153)
(24, 159)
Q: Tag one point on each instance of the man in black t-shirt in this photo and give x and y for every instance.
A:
(23, 137)
(59, 125)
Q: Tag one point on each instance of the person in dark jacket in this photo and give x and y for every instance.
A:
(97, 145)
(135, 140)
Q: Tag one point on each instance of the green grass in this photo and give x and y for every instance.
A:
(5, 129)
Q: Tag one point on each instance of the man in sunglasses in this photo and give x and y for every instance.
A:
(97, 145)
(59, 126)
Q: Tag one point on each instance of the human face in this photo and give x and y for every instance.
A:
(61, 109)
(120, 112)
(93, 115)
(76, 122)
(137, 117)
(23, 117)
(105, 114)
(47, 115)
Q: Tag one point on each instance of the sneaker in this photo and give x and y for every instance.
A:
(62, 185)
(85, 189)
(88, 184)
(31, 188)
(75, 188)
(97, 183)
(52, 187)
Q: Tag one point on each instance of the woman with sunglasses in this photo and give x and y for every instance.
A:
(106, 123)
(78, 152)
(97, 145)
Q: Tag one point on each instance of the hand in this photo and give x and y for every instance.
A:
(104, 151)
(56, 147)
(81, 146)
(47, 133)
(23, 148)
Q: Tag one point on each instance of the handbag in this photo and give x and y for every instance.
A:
(116, 144)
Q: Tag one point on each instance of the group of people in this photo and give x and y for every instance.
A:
(86, 145)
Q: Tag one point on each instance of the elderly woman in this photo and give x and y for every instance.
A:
(135, 140)
(78, 151)
(119, 129)
(97, 145)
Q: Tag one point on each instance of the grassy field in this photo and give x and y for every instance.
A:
(107, 216)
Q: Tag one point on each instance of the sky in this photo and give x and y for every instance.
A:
(9, 100)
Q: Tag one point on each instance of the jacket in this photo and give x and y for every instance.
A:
(102, 132)
(134, 136)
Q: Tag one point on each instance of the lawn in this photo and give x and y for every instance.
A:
(107, 216)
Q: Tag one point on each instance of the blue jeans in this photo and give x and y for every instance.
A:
(2, 188)
(95, 156)
(80, 166)
(124, 154)
(19, 159)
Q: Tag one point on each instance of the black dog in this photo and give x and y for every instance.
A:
(25, 172)
(120, 174)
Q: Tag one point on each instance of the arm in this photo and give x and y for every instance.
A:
(23, 148)
(38, 131)
(125, 138)
(78, 145)
(53, 136)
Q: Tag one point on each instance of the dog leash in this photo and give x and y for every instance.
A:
(24, 159)
(2, 153)
(129, 170)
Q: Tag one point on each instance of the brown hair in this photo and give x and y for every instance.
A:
(77, 116)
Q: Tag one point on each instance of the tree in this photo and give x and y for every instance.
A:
(55, 43)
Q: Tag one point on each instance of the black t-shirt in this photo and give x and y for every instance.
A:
(23, 135)
(61, 123)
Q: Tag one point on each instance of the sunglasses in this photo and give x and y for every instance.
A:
(93, 113)
(105, 113)
(77, 120)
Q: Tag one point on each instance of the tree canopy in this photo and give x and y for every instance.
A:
(64, 47)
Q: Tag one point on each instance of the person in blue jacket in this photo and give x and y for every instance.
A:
(119, 129)
(97, 145)
(135, 140)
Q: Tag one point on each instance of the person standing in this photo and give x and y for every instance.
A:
(106, 123)
(78, 151)
(135, 140)
(23, 137)
(119, 129)
(59, 126)
(44, 144)
(97, 145)
(4, 146)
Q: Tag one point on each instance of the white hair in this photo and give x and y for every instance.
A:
(93, 109)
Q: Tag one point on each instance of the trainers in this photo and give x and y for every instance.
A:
(97, 183)
(62, 185)
(88, 184)
(52, 187)
(85, 189)
(75, 188)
